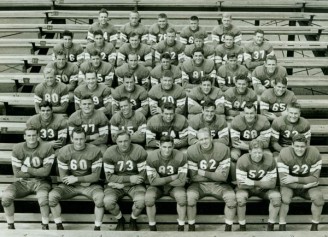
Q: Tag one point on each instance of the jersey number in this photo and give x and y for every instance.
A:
(253, 173)
(51, 98)
(297, 169)
(82, 165)
(128, 164)
(44, 133)
(87, 126)
(204, 164)
(166, 170)
(250, 134)
(289, 134)
(278, 107)
(32, 162)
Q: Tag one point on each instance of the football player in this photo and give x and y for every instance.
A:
(79, 166)
(31, 162)
(125, 170)
(167, 174)
(134, 26)
(187, 34)
(299, 167)
(199, 40)
(158, 31)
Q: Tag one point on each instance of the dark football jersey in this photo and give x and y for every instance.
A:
(157, 74)
(227, 76)
(107, 51)
(187, 36)
(141, 74)
(236, 101)
(109, 31)
(255, 52)
(218, 33)
(127, 29)
(176, 51)
(56, 94)
(193, 74)
(105, 72)
(67, 75)
(273, 103)
(222, 51)
(143, 52)
(157, 34)
(73, 54)
(260, 76)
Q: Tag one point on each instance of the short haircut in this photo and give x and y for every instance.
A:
(45, 104)
(128, 74)
(194, 18)
(67, 33)
(255, 144)
(134, 11)
(166, 56)
(242, 77)
(162, 15)
(226, 15)
(86, 97)
(122, 133)
(48, 70)
(60, 52)
(133, 34)
(168, 73)
(196, 50)
(250, 105)
(168, 106)
(78, 130)
(294, 105)
(282, 80)
(91, 72)
(259, 31)
(171, 30)
(31, 128)
(299, 138)
(103, 10)
(205, 130)
(166, 138)
(206, 78)
(124, 98)
(199, 35)
(229, 34)
(208, 103)
(271, 57)
(95, 53)
(98, 32)
(133, 54)
(231, 55)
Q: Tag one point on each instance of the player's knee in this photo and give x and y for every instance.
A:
(286, 199)
(54, 198)
(139, 204)
(109, 203)
(7, 198)
(275, 199)
(43, 202)
(192, 199)
(318, 201)
(150, 200)
(182, 200)
(235, 154)
(231, 201)
(98, 199)
(241, 201)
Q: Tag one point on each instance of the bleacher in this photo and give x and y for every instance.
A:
(297, 29)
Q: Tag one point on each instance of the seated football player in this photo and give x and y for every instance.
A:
(216, 123)
(245, 128)
(165, 65)
(274, 101)
(236, 97)
(257, 176)
(299, 167)
(136, 93)
(167, 175)
(94, 122)
(208, 165)
(256, 51)
(187, 34)
(285, 127)
(227, 73)
(101, 94)
(107, 50)
(158, 31)
(134, 26)
(79, 166)
(164, 92)
(222, 50)
(73, 52)
(193, 70)
(31, 164)
(167, 123)
(219, 32)
(135, 46)
(52, 127)
(109, 31)
(104, 70)
(125, 170)
(263, 76)
(133, 122)
(172, 46)
(52, 91)
(134, 67)
(205, 91)
(199, 40)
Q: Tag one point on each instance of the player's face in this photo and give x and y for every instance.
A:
(61, 61)
(50, 79)
(280, 89)
(199, 43)
(78, 140)
(166, 149)
(232, 62)
(134, 42)
(95, 60)
(134, 19)
(46, 113)
(208, 113)
(270, 66)
(241, 86)
(166, 63)
(167, 83)
(123, 142)
(206, 87)
(293, 114)
(228, 41)
(91, 79)
(133, 61)
(31, 137)
(168, 115)
(103, 18)
(99, 40)
(129, 83)
(198, 58)
(256, 154)
(250, 114)
(193, 25)
(299, 148)
(259, 38)
(125, 107)
(67, 41)
(226, 21)
(87, 106)
(162, 23)
(170, 38)
(205, 140)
